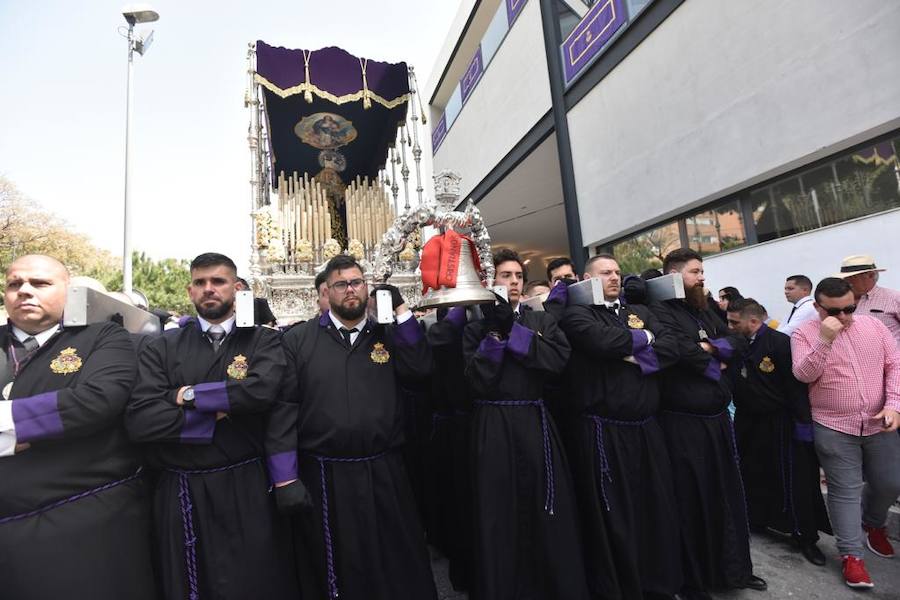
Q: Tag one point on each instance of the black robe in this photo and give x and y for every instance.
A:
(698, 429)
(212, 474)
(773, 426)
(364, 538)
(451, 514)
(624, 480)
(526, 523)
(67, 403)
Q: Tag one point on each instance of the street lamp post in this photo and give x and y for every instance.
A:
(139, 44)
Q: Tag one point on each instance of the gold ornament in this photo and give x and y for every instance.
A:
(67, 362)
(379, 354)
(238, 367)
(766, 366)
(635, 322)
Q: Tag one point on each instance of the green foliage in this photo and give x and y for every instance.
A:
(164, 282)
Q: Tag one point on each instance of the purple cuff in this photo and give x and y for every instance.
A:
(559, 294)
(647, 360)
(37, 418)
(457, 316)
(519, 340)
(198, 427)
(492, 349)
(803, 432)
(408, 333)
(639, 341)
(282, 466)
(713, 369)
(211, 397)
(724, 348)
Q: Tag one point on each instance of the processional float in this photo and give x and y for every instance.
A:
(329, 132)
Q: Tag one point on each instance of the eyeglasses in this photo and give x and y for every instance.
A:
(341, 286)
(847, 310)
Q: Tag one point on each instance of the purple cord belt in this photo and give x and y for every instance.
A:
(550, 491)
(187, 520)
(601, 449)
(70, 499)
(326, 527)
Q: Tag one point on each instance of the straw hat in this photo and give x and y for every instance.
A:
(856, 264)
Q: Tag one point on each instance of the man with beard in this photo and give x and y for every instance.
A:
(363, 539)
(774, 432)
(202, 403)
(695, 397)
(622, 473)
(74, 520)
(526, 525)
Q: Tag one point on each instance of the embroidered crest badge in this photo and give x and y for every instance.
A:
(635, 322)
(238, 367)
(67, 362)
(379, 354)
(766, 366)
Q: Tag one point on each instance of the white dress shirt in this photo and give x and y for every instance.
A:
(806, 311)
(226, 326)
(7, 425)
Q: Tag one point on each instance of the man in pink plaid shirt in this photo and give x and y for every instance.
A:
(852, 366)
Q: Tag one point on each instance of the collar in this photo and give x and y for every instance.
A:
(227, 325)
(338, 325)
(612, 304)
(762, 329)
(871, 293)
(41, 337)
(803, 301)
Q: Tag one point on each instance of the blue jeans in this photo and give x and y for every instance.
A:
(847, 460)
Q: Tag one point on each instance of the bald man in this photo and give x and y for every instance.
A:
(73, 518)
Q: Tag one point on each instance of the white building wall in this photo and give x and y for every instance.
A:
(759, 271)
(513, 94)
(724, 94)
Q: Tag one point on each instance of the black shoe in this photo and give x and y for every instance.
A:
(811, 552)
(756, 583)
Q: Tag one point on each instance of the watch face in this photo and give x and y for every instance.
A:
(188, 394)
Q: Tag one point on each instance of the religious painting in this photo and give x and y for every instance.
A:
(325, 131)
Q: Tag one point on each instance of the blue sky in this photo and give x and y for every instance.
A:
(62, 106)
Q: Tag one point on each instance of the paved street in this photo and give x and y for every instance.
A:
(786, 571)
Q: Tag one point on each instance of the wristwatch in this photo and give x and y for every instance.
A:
(187, 398)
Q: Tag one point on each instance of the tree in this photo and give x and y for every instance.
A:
(164, 282)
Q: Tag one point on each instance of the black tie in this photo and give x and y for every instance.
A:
(793, 310)
(345, 333)
(614, 309)
(216, 338)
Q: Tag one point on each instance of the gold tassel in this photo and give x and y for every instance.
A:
(367, 96)
(307, 95)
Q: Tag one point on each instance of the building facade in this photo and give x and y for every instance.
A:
(763, 134)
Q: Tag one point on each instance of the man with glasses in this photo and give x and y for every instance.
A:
(852, 366)
(363, 538)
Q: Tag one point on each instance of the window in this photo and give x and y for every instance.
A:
(647, 250)
(716, 230)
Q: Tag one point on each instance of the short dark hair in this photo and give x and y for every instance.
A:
(596, 257)
(731, 291)
(649, 274)
(213, 259)
(505, 255)
(678, 258)
(243, 282)
(533, 284)
(801, 281)
(320, 279)
(556, 263)
(832, 287)
(340, 263)
(747, 307)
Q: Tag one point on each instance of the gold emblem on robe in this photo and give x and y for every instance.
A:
(238, 367)
(67, 362)
(379, 354)
(635, 322)
(766, 366)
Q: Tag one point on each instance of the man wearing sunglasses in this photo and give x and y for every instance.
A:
(852, 366)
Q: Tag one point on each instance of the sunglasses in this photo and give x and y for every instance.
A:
(847, 310)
